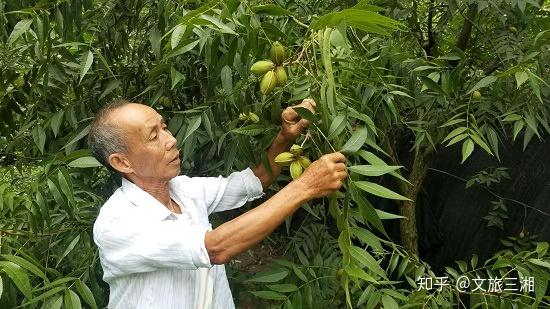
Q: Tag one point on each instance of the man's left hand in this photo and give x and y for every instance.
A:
(292, 123)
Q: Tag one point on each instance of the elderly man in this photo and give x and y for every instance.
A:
(156, 245)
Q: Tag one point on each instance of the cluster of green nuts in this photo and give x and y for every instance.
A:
(274, 74)
(249, 117)
(294, 159)
(165, 101)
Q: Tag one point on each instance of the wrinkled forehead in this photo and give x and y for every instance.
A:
(135, 117)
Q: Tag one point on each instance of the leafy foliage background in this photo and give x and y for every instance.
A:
(384, 73)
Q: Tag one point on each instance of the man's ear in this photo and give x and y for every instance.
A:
(120, 162)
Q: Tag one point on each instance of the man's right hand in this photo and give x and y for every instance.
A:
(321, 178)
(324, 176)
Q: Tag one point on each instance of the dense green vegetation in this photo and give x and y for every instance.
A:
(420, 74)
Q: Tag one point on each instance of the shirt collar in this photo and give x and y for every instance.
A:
(146, 201)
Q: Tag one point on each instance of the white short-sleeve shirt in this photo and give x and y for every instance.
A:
(151, 256)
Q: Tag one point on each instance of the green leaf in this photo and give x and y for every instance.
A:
(521, 77)
(18, 276)
(375, 160)
(299, 273)
(477, 139)
(484, 82)
(85, 162)
(207, 125)
(72, 301)
(305, 113)
(307, 208)
(454, 133)
(57, 282)
(467, 149)
(177, 34)
(425, 67)
(271, 9)
(56, 120)
(86, 64)
(194, 124)
(366, 209)
(53, 303)
(356, 141)
(181, 50)
(453, 122)
(357, 272)
(389, 302)
(283, 288)
(379, 190)
(542, 248)
(365, 259)
(155, 39)
(457, 139)
(518, 126)
(45, 295)
(367, 237)
(367, 294)
(387, 216)
(227, 82)
(302, 257)
(18, 30)
(358, 17)
(39, 137)
(175, 77)
(430, 84)
(270, 276)
(373, 170)
(336, 127)
(111, 86)
(533, 81)
(218, 23)
(250, 130)
(540, 263)
(64, 183)
(512, 117)
(269, 295)
(86, 293)
(79, 136)
(54, 190)
(104, 61)
(69, 248)
(25, 264)
(401, 93)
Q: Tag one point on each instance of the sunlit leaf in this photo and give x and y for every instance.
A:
(356, 141)
(86, 64)
(379, 190)
(270, 276)
(18, 276)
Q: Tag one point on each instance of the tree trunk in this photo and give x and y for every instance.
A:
(409, 232)
(466, 31)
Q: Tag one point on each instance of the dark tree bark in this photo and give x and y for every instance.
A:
(430, 45)
(408, 228)
(465, 33)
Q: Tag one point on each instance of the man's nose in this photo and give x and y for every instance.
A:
(170, 141)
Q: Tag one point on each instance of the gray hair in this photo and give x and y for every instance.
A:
(105, 137)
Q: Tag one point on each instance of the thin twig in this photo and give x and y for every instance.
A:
(492, 192)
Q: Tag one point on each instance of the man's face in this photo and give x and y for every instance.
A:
(152, 152)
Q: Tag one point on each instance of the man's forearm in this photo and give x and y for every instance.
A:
(243, 232)
(280, 144)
